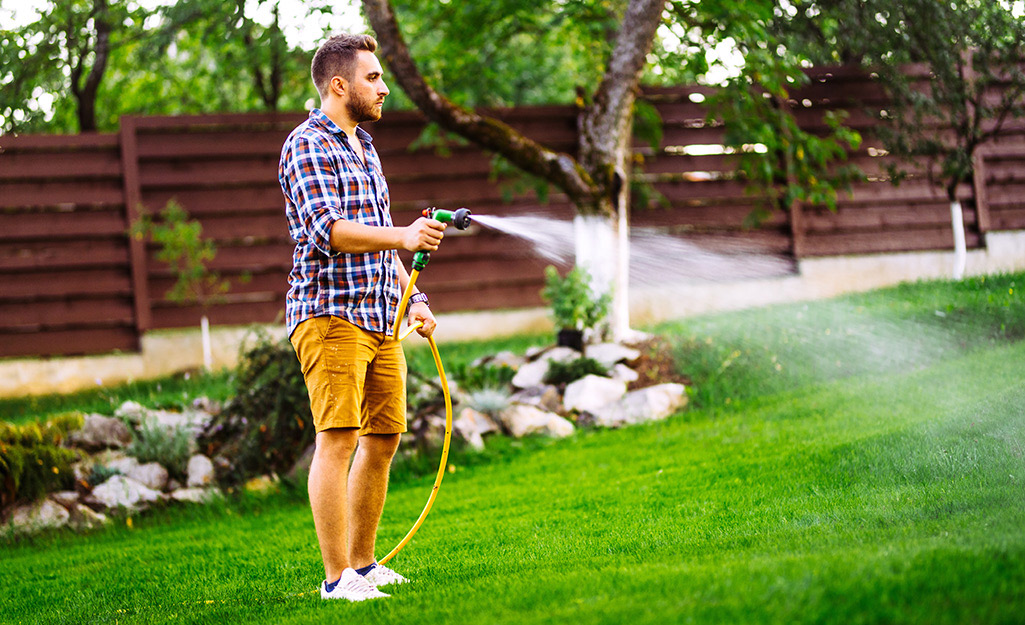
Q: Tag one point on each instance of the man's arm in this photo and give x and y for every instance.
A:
(355, 238)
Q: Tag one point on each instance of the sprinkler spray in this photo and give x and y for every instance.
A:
(460, 218)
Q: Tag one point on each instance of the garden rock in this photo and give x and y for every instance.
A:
(152, 475)
(124, 492)
(608, 354)
(131, 411)
(522, 420)
(41, 515)
(68, 499)
(195, 495)
(100, 432)
(472, 426)
(544, 396)
(83, 517)
(200, 471)
(561, 354)
(121, 463)
(592, 392)
(624, 374)
(530, 374)
(653, 403)
(502, 359)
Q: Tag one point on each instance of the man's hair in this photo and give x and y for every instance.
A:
(337, 57)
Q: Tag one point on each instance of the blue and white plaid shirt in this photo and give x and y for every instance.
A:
(323, 180)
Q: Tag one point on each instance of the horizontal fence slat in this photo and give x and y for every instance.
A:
(50, 282)
(64, 312)
(74, 342)
(67, 255)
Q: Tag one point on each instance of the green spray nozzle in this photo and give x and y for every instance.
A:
(420, 260)
(460, 218)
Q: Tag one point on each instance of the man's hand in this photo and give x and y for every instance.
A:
(423, 235)
(422, 312)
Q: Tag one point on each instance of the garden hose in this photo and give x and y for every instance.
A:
(448, 410)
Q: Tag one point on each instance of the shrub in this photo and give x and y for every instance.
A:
(471, 378)
(490, 401)
(32, 462)
(267, 425)
(560, 373)
(574, 306)
(170, 446)
(100, 473)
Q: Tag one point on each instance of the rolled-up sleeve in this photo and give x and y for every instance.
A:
(312, 179)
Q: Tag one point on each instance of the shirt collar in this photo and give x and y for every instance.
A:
(319, 117)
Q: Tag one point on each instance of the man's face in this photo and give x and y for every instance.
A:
(366, 89)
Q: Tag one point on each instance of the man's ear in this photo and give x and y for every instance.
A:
(338, 85)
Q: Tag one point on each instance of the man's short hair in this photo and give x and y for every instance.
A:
(337, 57)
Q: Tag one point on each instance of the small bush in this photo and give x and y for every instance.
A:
(560, 373)
(471, 378)
(100, 473)
(32, 462)
(168, 446)
(490, 401)
(267, 424)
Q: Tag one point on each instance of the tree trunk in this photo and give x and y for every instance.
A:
(960, 248)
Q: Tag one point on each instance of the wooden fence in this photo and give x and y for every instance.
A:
(73, 282)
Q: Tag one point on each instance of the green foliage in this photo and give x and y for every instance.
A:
(167, 445)
(268, 423)
(186, 252)
(574, 304)
(560, 373)
(471, 378)
(100, 473)
(489, 400)
(32, 461)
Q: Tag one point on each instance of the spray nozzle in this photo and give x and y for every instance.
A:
(460, 218)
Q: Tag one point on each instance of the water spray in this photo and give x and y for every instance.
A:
(459, 218)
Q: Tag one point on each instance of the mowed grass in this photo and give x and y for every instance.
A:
(894, 497)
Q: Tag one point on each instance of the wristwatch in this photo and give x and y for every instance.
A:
(419, 297)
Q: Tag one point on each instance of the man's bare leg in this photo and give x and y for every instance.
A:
(327, 487)
(368, 485)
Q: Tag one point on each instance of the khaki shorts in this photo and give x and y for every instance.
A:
(356, 378)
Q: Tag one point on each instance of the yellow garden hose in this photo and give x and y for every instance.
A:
(448, 411)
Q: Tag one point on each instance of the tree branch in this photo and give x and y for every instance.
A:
(489, 133)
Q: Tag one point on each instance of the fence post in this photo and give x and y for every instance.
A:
(136, 244)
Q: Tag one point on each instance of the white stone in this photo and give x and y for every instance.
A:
(152, 475)
(544, 396)
(84, 517)
(608, 354)
(624, 374)
(561, 354)
(592, 392)
(131, 410)
(522, 420)
(200, 471)
(66, 498)
(653, 403)
(195, 495)
(472, 425)
(100, 432)
(531, 374)
(41, 515)
(123, 492)
(124, 464)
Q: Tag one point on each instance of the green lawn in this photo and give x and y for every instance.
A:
(867, 493)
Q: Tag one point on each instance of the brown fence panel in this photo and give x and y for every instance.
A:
(65, 284)
(72, 282)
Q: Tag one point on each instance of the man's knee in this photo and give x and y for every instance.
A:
(379, 447)
(337, 442)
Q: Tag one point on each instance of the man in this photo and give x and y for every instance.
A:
(346, 281)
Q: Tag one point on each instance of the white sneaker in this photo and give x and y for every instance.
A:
(353, 587)
(381, 575)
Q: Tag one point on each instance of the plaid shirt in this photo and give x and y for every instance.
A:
(323, 180)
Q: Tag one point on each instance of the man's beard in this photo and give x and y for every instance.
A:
(363, 110)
